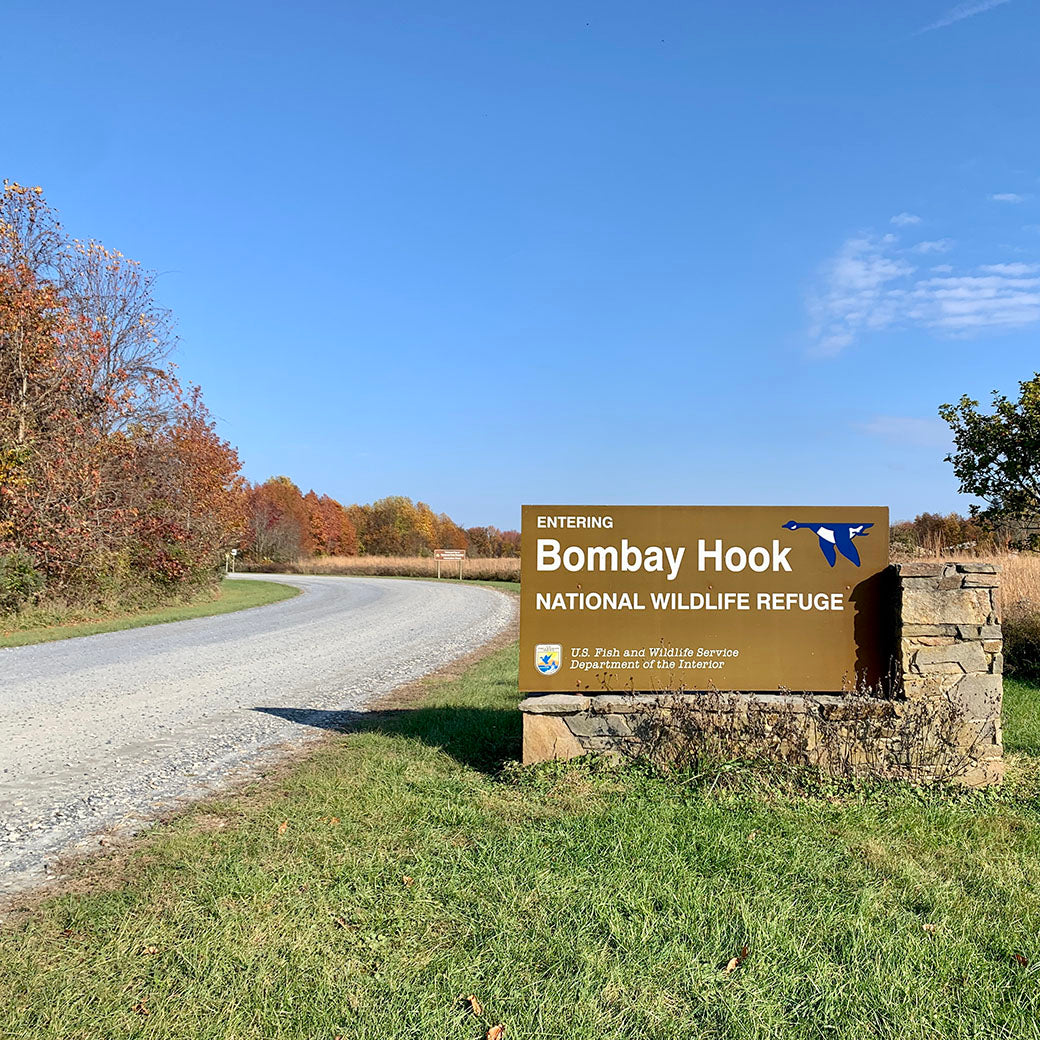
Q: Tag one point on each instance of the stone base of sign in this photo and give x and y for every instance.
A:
(937, 719)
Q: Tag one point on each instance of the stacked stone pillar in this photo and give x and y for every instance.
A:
(951, 650)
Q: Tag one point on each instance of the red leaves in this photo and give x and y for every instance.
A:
(107, 464)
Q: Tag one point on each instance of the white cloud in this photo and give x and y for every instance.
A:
(871, 285)
(1007, 196)
(941, 245)
(960, 12)
(902, 219)
(973, 303)
(1014, 269)
(925, 433)
(854, 294)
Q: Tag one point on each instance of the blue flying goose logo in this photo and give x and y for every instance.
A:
(834, 538)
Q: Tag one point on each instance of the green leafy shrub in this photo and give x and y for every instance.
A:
(20, 582)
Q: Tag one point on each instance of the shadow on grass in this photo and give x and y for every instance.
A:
(481, 738)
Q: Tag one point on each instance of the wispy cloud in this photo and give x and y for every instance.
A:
(871, 284)
(960, 12)
(902, 219)
(924, 433)
(854, 293)
(1015, 269)
(940, 245)
(1007, 196)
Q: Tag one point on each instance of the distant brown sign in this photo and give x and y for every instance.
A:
(449, 554)
(702, 597)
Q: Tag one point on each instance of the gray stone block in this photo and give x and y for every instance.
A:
(612, 703)
(956, 606)
(978, 696)
(969, 656)
(931, 582)
(922, 570)
(554, 704)
(911, 631)
(976, 568)
(980, 581)
(589, 725)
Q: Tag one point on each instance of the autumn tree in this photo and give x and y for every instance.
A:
(277, 521)
(112, 477)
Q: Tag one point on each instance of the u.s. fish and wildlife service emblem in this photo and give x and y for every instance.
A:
(547, 658)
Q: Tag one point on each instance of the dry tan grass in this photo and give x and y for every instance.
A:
(1019, 580)
(1020, 573)
(475, 569)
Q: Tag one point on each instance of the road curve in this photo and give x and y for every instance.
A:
(102, 732)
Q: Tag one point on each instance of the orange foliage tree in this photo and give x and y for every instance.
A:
(113, 481)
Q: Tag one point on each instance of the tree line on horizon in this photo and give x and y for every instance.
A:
(283, 525)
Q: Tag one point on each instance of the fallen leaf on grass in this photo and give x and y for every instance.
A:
(735, 962)
(473, 1004)
(752, 836)
(495, 1033)
(407, 880)
(141, 1007)
(333, 819)
(341, 922)
(1019, 959)
(283, 826)
(148, 951)
(931, 929)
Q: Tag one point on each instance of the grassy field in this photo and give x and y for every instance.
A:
(364, 891)
(231, 596)
(473, 569)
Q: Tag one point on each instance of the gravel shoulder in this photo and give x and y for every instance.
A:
(100, 734)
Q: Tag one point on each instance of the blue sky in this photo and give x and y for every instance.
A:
(484, 254)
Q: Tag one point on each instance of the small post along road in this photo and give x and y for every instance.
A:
(103, 732)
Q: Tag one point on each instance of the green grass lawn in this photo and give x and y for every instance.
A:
(231, 596)
(1021, 717)
(394, 870)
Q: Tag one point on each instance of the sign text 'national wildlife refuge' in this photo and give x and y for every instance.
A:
(702, 597)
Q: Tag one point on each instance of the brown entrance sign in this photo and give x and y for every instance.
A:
(702, 597)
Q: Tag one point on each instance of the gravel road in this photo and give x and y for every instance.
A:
(101, 733)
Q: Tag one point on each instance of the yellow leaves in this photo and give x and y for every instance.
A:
(407, 880)
(473, 1005)
(495, 1033)
(283, 827)
(149, 951)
